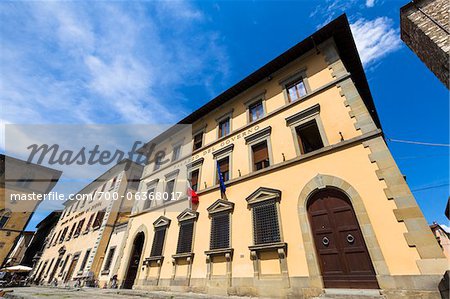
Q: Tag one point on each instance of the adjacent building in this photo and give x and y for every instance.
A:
(442, 237)
(314, 199)
(76, 248)
(20, 178)
(425, 28)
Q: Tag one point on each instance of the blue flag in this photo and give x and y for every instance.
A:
(223, 188)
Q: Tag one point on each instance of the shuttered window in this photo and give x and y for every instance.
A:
(158, 241)
(224, 166)
(220, 231)
(198, 141)
(266, 228)
(109, 258)
(185, 236)
(309, 138)
(194, 179)
(260, 156)
(99, 219)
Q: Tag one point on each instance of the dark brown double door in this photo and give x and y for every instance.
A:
(341, 250)
(135, 259)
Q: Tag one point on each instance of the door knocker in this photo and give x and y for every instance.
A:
(350, 238)
(325, 241)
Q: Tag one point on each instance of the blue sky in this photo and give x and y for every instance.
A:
(155, 62)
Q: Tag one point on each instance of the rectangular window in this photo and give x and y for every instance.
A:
(220, 231)
(296, 90)
(158, 241)
(176, 152)
(265, 223)
(91, 218)
(158, 162)
(79, 227)
(134, 182)
(198, 141)
(149, 199)
(309, 138)
(256, 111)
(63, 235)
(224, 127)
(185, 237)
(194, 179)
(99, 219)
(86, 256)
(260, 156)
(109, 258)
(224, 166)
(72, 230)
(170, 186)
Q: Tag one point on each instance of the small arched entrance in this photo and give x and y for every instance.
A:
(341, 250)
(134, 262)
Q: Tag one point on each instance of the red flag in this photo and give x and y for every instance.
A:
(193, 195)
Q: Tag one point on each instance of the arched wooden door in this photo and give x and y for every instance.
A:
(135, 259)
(340, 246)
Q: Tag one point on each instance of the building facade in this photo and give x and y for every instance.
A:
(425, 29)
(19, 178)
(442, 237)
(313, 200)
(75, 249)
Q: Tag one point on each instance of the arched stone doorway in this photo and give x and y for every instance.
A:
(135, 258)
(342, 254)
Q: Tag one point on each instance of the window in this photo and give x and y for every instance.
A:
(113, 183)
(79, 227)
(149, 199)
(260, 156)
(224, 166)
(198, 141)
(296, 90)
(134, 182)
(220, 231)
(71, 231)
(185, 236)
(99, 219)
(176, 152)
(109, 258)
(224, 127)
(170, 186)
(194, 179)
(91, 218)
(266, 228)
(309, 138)
(57, 237)
(4, 217)
(158, 161)
(158, 241)
(86, 256)
(63, 234)
(256, 110)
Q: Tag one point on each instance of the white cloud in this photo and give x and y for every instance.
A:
(375, 38)
(370, 3)
(445, 227)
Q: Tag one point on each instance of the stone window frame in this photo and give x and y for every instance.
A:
(173, 175)
(259, 97)
(218, 155)
(221, 118)
(300, 118)
(195, 133)
(186, 215)
(180, 154)
(153, 184)
(197, 164)
(291, 79)
(260, 195)
(221, 206)
(256, 138)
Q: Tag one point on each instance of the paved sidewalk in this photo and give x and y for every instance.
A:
(90, 293)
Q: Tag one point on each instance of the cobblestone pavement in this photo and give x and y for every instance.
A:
(90, 293)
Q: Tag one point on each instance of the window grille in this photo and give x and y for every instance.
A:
(266, 228)
(220, 231)
(158, 241)
(185, 236)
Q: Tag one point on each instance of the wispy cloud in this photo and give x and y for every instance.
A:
(370, 3)
(375, 38)
(99, 62)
